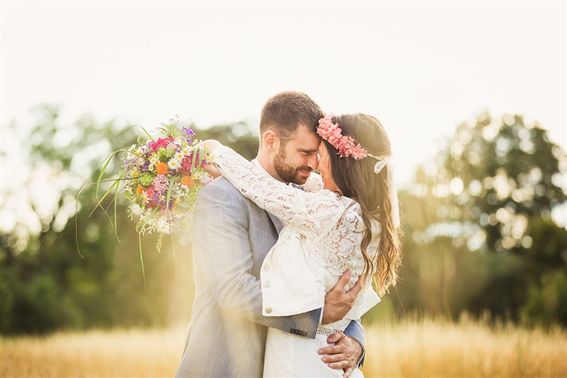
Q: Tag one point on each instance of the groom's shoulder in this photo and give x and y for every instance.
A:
(220, 189)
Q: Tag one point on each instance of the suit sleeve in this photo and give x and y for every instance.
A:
(222, 252)
(355, 331)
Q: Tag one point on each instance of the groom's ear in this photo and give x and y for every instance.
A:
(270, 140)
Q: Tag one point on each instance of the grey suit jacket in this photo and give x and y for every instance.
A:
(227, 332)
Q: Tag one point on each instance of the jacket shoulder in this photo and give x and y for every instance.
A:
(220, 189)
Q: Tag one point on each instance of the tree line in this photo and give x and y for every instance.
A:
(478, 219)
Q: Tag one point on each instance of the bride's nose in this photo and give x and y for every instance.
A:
(313, 161)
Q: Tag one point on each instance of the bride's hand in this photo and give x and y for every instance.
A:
(209, 146)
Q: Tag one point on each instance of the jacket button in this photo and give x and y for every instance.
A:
(302, 237)
(268, 310)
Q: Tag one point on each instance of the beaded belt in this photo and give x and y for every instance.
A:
(327, 331)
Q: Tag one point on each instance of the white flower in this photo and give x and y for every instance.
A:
(144, 197)
(163, 225)
(136, 209)
(174, 163)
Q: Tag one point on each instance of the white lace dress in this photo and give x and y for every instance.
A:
(320, 240)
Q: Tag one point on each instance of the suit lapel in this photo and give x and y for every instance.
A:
(278, 225)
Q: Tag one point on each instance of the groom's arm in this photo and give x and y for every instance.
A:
(355, 331)
(346, 349)
(351, 347)
(222, 253)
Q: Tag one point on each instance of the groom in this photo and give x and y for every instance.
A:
(231, 237)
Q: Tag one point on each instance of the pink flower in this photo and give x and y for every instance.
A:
(186, 164)
(345, 145)
(150, 191)
(161, 183)
(160, 142)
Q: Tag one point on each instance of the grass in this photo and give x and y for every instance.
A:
(409, 348)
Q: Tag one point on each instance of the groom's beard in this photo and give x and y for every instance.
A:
(288, 173)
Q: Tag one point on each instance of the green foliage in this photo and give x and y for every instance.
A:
(479, 233)
(479, 230)
(45, 284)
(237, 136)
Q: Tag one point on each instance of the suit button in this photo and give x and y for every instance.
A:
(268, 310)
(302, 237)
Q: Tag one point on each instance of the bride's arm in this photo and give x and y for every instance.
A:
(295, 207)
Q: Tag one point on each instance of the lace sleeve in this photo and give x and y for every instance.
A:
(306, 211)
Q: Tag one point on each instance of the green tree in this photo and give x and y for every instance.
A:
(45, 284)
(478, 220)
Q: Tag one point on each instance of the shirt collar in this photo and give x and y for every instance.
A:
(257, 164)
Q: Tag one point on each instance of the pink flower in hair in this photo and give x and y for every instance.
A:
(345, 145)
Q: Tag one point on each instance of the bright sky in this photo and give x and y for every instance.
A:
(420, 67)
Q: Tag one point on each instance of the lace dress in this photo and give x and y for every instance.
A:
(320, 240)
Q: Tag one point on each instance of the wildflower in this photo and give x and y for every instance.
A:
(160, 143)
(161, 183)
(162, 169)
(174, 164)
(187, 181)
(136, 209)
(186, 164)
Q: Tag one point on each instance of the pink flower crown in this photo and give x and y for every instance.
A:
(345, 144)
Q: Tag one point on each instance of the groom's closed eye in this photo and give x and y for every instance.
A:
(308, 152)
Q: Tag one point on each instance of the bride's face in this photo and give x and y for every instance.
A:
(325, 169)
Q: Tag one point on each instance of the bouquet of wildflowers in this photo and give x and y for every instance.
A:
(162, 176)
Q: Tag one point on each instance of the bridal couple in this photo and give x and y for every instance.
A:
(284, 257)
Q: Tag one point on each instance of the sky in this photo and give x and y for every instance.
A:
(420, 67)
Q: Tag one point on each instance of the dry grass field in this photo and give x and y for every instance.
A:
(426, 348)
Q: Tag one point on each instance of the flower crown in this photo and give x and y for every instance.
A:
(332, 133)
(344, 144)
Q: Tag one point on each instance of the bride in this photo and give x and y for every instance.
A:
(351, 223)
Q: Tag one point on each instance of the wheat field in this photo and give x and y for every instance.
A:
(424, 348)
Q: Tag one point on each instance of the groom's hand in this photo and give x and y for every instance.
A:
(344, 354)
(338, 300)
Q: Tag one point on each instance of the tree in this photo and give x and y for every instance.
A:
(45, 284)
(479, 224)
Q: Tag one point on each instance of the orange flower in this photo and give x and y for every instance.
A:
(162, 169)
(186, 180)
(140, 190)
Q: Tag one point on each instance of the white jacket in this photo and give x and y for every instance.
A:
(320, 240)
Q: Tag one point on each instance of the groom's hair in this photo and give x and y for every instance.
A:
(285, 111)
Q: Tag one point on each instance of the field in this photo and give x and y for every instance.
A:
(406, 349)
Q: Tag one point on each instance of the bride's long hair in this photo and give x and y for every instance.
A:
(356, 179)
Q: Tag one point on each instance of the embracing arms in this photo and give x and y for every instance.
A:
(222, 252)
